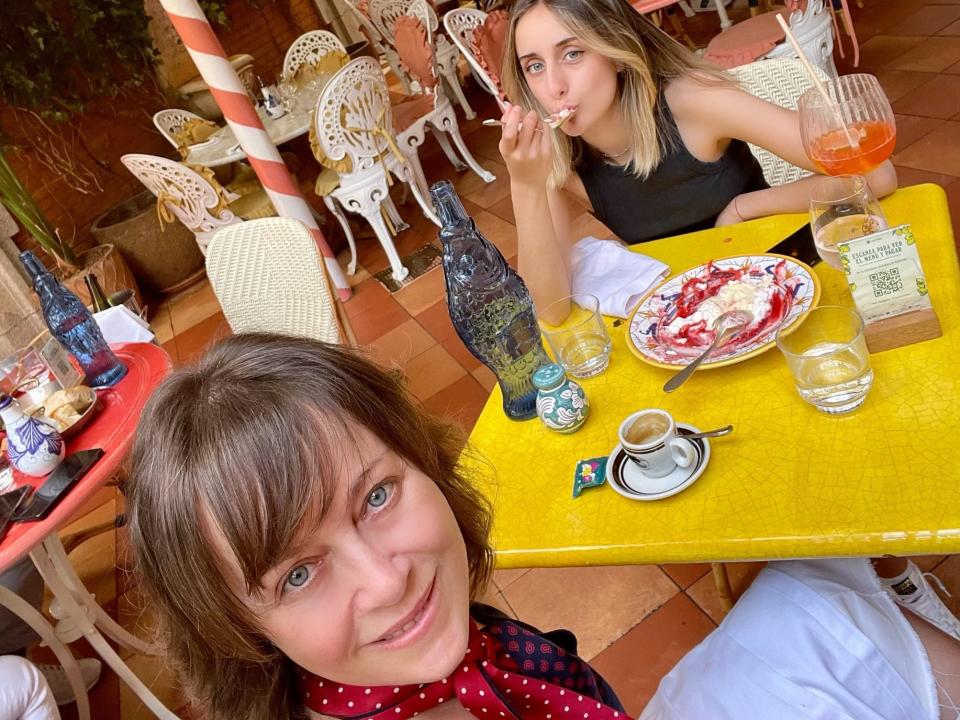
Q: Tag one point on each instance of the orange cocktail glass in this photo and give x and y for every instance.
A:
(852, 134)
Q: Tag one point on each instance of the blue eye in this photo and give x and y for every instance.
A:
(534, 67)
(574, 54)
(298, 576)
(378, 497)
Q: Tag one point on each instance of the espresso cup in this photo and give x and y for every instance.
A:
(649, 438)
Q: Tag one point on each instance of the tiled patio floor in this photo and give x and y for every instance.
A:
(636, 622)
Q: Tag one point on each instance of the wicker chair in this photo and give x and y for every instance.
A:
(269, 277)
(782, 82)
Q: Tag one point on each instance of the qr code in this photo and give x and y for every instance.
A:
(886, 282)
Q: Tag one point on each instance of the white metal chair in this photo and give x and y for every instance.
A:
(384, 14)
(309, 48)
(192, 199)
(417, 53)
(380, 45)
(460, 24)
(268, 277)
(171, 121)
(354, 122)
(810, 21)
(782, 82)
(813, 28)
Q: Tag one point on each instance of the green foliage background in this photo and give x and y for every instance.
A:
(57, 55)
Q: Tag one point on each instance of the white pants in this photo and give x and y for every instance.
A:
(24, 694)
(810, 640)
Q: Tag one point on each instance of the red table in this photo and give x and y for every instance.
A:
(112, 430)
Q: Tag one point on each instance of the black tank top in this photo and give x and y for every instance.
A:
(682, 194)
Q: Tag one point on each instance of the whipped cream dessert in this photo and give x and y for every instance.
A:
(754, 294)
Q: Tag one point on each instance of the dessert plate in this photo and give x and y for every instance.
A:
(673, 323)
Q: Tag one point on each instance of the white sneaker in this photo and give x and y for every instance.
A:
(56, 678)
(912, 591)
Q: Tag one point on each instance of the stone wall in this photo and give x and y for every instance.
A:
(20, 318)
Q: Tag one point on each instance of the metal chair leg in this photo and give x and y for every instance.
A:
(722, 581)
(334, 207)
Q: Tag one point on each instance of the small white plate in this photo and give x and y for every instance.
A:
(626, 477)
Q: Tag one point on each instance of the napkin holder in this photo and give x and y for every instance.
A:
(889, 289)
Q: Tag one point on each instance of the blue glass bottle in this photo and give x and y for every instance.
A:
(489, 305)
(73, 325)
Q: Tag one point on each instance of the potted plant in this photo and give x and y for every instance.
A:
(103, 260)
(163, 259)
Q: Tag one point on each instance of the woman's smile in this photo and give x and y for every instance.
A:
(414, 625)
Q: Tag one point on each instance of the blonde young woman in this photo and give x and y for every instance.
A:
(655, 144)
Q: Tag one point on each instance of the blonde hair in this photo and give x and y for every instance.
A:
(648, 57)
(250, 439)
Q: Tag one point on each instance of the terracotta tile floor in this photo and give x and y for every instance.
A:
(636, 621)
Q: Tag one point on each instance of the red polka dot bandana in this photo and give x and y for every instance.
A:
(507, 672)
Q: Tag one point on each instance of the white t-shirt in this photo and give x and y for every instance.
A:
(810, 640)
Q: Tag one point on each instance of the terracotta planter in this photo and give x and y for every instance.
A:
(108, 265)
(163, 261)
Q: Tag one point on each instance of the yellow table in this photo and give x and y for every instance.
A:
(790, 481)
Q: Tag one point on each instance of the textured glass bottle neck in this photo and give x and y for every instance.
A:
(35, 269)
(448, 205)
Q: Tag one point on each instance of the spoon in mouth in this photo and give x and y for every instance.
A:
(726, 327)
(553, 121)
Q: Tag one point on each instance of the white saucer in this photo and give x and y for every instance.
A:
(626, 477)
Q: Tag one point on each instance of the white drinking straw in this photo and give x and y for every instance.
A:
(854, 142)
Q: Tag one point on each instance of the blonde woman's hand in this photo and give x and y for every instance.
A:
(525, 146)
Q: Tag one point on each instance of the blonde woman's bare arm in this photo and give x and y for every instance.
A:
(544, 247)
(542, 218)
(712, 116)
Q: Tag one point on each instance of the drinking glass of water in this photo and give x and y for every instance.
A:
(842, 208)
(580, 343)
(829, 360)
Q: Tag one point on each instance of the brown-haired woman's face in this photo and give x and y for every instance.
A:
(561, 72)
(379, 593)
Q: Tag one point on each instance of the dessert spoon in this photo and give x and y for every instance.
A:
(725, 327)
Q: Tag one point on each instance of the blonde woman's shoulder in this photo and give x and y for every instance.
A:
(696, 94)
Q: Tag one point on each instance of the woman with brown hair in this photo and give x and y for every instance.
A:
(296, 517)
(313, 550)
(655, 140)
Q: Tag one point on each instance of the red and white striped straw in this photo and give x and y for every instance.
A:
(227, 89)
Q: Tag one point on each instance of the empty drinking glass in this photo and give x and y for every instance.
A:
(580, 343)
(829, 360)
(842, 208)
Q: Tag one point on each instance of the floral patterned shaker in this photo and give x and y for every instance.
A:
(561, 403)
(34, 447)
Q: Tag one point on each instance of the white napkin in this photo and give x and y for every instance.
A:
(119, 325)
(614, 274)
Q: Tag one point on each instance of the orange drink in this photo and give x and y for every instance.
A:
(833, 155)
(848, 128)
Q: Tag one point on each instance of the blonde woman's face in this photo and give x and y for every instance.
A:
(561, 72)
(379, 593)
